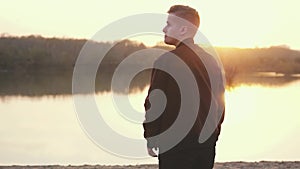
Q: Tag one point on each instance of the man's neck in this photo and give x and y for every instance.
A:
(187, 40)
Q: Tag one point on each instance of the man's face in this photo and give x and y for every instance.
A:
(172, 30)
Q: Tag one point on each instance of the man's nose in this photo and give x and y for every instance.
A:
(164, 29)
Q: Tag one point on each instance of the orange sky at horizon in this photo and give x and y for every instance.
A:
(231, 23)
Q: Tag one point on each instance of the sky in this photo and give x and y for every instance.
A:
(232, 23)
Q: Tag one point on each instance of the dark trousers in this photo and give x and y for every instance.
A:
(194, 158)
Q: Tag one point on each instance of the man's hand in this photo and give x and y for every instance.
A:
(151, 152)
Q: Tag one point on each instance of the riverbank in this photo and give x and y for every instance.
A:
(225, 165)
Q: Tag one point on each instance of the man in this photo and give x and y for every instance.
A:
(171, 125)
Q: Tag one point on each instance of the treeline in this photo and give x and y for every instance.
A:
(34, 52)
(274, 59)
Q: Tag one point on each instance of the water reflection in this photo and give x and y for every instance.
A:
(54, 82)
(264, 78)
(43, 83)
(262, 123)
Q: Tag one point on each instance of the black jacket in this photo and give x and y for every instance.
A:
(158, 122)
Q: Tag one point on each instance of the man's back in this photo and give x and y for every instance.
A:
(190, 54)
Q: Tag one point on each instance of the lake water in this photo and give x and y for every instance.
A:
(261, 123)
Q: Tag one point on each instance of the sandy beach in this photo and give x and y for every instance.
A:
(226, 165)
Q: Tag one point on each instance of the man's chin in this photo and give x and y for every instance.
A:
(168, 42)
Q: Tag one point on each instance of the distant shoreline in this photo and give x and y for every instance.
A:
(44, 66)
(218, 165)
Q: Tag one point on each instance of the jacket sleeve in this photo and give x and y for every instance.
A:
(153, 120)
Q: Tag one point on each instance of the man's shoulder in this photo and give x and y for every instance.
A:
(165, 56)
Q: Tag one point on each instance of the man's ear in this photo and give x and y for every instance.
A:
(183, 30)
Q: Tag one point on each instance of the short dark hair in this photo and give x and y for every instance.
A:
(187, 13)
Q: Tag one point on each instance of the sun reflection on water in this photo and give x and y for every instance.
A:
(261, 123)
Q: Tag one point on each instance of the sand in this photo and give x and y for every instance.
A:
(227, 165)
